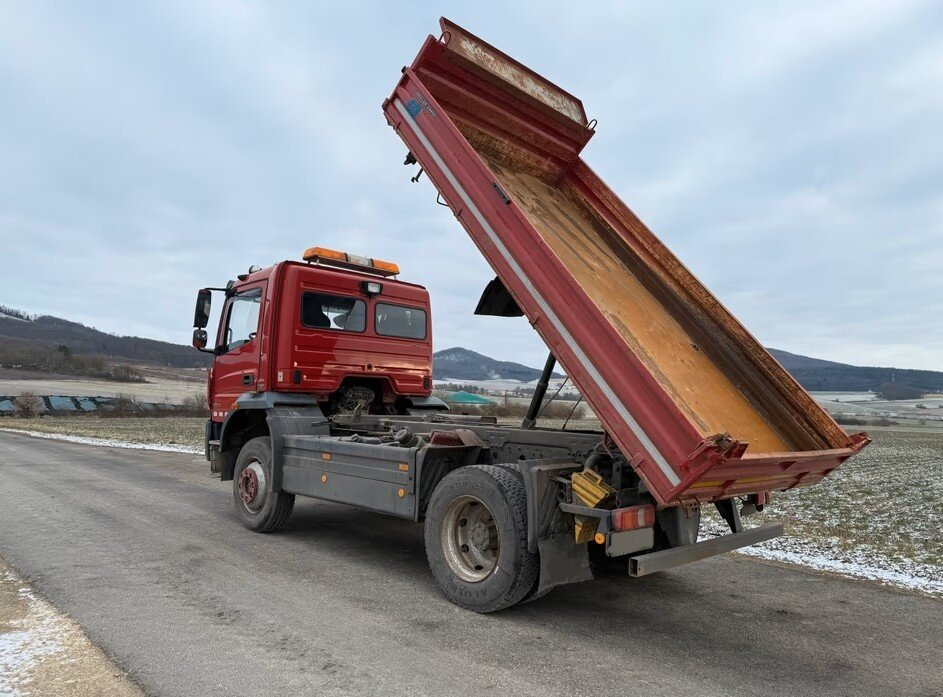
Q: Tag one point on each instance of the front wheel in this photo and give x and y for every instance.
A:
(258, 507)
(476, 538)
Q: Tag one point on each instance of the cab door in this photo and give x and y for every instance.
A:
(236, 368)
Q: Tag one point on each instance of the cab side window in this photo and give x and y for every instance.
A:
(242, 323)
(337, 312)
(404, 322)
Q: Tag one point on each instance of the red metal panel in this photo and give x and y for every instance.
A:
(446, 95)
(736, 476)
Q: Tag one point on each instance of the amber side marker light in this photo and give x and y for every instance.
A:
(332, 257)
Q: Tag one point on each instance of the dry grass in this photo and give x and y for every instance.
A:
(167, 430)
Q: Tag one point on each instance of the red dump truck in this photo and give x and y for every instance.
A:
(321, 384)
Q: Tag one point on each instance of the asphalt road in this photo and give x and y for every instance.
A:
(143, 550)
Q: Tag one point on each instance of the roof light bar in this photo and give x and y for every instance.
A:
(322, 255)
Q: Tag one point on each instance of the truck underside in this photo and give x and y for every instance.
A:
(581, 505)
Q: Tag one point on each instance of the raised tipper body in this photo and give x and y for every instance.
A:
(699, 407)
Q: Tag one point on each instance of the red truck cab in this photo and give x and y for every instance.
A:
(335, 327)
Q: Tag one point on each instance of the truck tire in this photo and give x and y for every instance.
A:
(258, 507)
(476, 538)
(518, 469)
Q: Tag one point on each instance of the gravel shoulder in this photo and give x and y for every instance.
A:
(43, 652)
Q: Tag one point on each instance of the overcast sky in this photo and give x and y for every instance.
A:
(791, 154)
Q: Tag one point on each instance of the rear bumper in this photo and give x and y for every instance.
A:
(645, 564)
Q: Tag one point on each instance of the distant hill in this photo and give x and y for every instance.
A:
(47, 332)
(812, 373)
(828, 376)
(53, 332)
(793, 361)
(462, 364)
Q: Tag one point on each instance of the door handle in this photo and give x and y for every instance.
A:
(247, 379)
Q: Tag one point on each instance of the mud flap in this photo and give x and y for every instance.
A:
(562, 561)
(549, 530)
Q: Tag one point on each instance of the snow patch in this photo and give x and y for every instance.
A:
(34, 636)
(107, 442)
(860, 563)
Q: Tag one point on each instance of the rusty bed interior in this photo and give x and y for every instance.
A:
(602, 264)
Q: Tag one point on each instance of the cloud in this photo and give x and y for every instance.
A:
(788, 153)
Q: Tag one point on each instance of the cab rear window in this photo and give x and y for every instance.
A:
(322, 311)
(397, 320)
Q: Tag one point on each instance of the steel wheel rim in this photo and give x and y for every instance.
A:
(253, 486)
(470, 539)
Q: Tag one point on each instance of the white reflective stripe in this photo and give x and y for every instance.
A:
(550, 314)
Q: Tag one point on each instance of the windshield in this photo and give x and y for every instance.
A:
(242, 322)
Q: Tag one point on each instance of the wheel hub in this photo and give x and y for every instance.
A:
(470, 539)
(480, 535)
(248, 486)
(252, 487)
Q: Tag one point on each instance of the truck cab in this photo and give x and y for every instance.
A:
(334, 331)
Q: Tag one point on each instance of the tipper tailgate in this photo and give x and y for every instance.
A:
(688, 395)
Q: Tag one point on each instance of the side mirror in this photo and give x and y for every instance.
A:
(199, 339)
(201, 315)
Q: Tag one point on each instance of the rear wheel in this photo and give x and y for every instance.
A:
(258, 507)
(476, 538)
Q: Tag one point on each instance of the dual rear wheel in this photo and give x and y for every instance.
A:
(476, 538)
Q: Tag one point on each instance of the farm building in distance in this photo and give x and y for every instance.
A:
(462, 397)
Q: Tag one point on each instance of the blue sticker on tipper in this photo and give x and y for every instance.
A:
(412, 106)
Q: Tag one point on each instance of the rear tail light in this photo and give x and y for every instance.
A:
(633, 518)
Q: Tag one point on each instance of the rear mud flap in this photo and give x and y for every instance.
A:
(562, 562)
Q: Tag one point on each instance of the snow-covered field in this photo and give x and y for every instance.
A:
(832, 557)
(879, 517)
